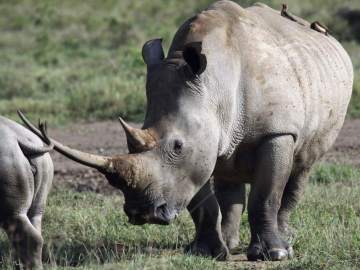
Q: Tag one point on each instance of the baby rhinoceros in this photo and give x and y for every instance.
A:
(26, 173)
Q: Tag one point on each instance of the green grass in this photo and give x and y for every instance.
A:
(76, 60)
(90, 231)
(327, 173)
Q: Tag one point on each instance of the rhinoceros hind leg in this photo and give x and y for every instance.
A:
(231, 198)
(292, 193)
(273, 168)
(26, 240)
(206, 215)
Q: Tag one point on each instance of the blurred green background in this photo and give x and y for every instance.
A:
(80, 60)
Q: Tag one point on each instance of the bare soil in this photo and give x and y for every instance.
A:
(108, 138)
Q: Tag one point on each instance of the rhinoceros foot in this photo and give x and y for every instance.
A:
(257, 251)
(208, 246)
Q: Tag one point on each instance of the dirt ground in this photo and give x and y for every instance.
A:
(108, 138)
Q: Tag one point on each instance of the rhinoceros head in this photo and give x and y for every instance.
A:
(177, 147)
(175, 152)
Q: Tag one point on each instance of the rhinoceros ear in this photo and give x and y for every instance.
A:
(153, 52)
(194, 58)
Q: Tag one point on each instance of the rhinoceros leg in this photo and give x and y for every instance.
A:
(205, 212)
(292, 193)
(26, 240)
(44, 177)
(231, 199)
(273, 168)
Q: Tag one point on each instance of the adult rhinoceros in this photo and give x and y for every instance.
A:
(246, 96)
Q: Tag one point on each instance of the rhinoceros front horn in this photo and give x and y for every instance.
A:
(138, 140)
(128, 167)
(94, 161)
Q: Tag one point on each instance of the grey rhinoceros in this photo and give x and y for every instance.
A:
(26, 174)
(245, 96)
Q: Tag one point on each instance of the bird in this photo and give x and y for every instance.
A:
(284, 13)
(317, 26)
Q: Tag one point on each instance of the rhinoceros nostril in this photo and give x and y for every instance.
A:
(160, 208)
(164, 214)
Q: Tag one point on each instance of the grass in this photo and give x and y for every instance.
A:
(327, 173)
(90, 231)
(76, 60)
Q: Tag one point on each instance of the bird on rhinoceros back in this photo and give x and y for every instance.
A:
(26, 174)
(317, 26)
(284, 13)
(240, 97)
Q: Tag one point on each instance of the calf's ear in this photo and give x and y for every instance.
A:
(153, 52)
(194, 58)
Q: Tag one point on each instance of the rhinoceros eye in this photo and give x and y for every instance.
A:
(178, 145)
(173, 151)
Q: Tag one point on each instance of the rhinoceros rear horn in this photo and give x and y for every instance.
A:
(153, 52)
(138, 140)
(194, 58)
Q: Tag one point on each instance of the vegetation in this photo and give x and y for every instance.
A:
(81, 60)
(327, 173)
(86, 230)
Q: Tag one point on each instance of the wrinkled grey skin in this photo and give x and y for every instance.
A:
(270, 102)
(26, 173)
(245, 96)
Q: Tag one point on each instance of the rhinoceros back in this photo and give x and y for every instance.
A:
(306, 76)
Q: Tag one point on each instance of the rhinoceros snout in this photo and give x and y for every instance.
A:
(158, 213)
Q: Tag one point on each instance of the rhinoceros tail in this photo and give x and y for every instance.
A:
(31, 150)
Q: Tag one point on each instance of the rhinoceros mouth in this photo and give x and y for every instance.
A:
(158, 213)
(160, 219)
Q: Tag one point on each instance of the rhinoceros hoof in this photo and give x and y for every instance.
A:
(256, 252)
(216, 250)
(278, 254)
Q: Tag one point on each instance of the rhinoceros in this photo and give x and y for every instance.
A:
(243, 96)
(26, 174)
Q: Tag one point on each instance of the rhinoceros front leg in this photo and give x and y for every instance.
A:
(231, 198)
(26, 240)
(205, 212)
(273, 168)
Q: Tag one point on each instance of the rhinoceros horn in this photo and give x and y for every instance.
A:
(138, 140)
(126, 166)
